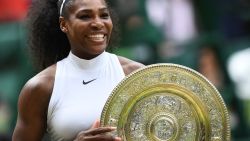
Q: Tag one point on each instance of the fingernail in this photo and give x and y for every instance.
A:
(118, 139)
(113, 128)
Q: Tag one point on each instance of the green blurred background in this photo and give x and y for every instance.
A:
(200, 34)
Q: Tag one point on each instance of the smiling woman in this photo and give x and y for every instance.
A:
(69, 39)
(88, 28)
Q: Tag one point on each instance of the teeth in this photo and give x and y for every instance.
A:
(96, 36)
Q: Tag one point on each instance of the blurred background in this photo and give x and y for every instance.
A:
(210, 36)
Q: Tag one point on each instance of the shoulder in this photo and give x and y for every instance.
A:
(129, 65)
(32, 106)
(39, 88)
(43, 81)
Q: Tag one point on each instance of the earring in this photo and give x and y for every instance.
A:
(64, 29)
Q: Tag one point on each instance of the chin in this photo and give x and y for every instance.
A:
(99, 49)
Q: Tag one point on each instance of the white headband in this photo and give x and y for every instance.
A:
(61, 8)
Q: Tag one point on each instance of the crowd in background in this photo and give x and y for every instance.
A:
(210, 36)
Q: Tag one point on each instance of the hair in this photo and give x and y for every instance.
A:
(47, 43)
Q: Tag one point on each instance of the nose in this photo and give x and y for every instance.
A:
(97, 24)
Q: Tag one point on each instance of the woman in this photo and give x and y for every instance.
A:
(67, 97)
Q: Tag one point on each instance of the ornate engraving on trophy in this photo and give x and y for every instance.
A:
(163, 127)
(150, 115)
(167, 103)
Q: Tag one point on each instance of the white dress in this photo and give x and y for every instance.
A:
(80, 91)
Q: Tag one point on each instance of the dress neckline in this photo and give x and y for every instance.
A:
(92, 64)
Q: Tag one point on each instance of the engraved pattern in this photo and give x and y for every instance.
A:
(163, 129)
(166, 102)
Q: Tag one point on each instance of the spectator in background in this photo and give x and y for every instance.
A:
(213, 66)
(238, 66)
(12, 64)
(4, 119)
(139, 36)
(13, 10)
(175, 18)
(210, 65)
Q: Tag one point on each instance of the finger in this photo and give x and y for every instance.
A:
(100, 130)
(118, 139)
(96, 124)
(102, 138)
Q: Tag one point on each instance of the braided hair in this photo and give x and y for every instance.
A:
(47, 43)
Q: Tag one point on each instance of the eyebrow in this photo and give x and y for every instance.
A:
(89, 10)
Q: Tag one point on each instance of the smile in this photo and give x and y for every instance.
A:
(96, 37)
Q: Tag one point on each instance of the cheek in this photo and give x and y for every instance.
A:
(110, 26)
(73, 31)
(80, 31)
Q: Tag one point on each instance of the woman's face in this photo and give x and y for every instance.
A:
(88, 27)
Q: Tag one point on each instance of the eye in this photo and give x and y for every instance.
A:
(104, 15)
(84, 17)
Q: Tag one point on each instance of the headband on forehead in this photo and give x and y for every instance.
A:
(61, 8)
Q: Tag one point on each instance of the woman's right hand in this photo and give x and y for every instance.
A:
(97, 133)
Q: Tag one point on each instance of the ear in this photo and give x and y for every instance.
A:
(63, 25)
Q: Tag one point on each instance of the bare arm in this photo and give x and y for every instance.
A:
(32, 110)
(32, 113)
(128, 65)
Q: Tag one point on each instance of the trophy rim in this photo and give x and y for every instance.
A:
(178, 67)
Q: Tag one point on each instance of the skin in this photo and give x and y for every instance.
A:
(209, 66)
(86, 17)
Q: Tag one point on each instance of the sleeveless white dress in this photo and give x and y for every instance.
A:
(80, 91)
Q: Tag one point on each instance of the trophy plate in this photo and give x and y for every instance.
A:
(166, 102)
